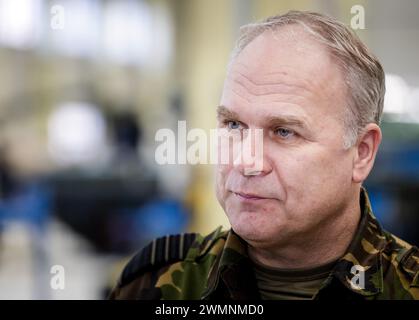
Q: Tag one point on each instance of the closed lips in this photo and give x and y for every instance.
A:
(249, 196)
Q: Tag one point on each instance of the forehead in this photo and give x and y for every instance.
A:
(288, 68)
(290, 46)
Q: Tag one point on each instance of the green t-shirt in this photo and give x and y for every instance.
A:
(290, 284)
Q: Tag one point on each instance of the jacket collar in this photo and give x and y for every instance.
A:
(232, 274)
(360, 268)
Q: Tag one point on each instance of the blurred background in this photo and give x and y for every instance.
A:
(85, 85)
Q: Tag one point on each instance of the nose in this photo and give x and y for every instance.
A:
(251, 159)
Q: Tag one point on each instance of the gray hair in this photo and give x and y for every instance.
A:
(363, 73)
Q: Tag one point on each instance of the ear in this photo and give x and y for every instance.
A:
(365, 151)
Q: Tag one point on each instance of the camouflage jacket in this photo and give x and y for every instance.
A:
(191, 266)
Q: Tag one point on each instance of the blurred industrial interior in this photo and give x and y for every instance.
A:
(81, 100)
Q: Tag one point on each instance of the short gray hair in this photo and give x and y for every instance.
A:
(363, 73)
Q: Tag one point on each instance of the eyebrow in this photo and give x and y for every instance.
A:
(272, 121)
(225, 113)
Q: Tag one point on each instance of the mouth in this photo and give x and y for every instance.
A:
(249, 196)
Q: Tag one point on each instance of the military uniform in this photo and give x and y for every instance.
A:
(191, 266)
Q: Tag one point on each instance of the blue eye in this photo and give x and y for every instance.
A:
(284, 133)
(234, 125)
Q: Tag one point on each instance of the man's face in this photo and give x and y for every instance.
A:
(293, 90)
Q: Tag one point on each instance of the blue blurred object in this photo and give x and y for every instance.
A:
(134, 227)
(31, 204)
(384, 206)
(161, 217)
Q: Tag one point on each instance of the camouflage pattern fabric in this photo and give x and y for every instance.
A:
(216, 267)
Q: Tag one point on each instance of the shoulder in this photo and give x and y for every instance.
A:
(403, 261)
(156, 257)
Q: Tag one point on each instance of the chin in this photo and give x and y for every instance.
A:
(252, 229)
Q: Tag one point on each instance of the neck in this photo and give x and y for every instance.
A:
(326, 243)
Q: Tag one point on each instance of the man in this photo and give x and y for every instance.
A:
(302, 224)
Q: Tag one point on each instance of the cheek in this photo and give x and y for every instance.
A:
(222, 172)
(311, 175)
